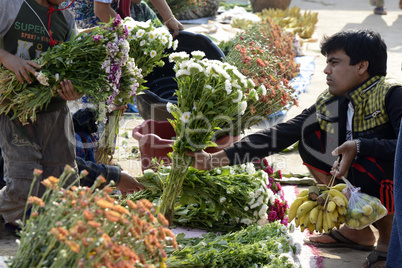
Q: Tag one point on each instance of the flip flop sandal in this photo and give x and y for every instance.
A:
(380, 11)
(341, 242)
(375, 256)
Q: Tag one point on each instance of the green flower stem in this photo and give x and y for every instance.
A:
(180, 165)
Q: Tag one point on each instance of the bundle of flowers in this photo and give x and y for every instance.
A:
(255, 246)
(257, 60)
(85, 227)
(148, 41)
(100, 58)
(223, 199)
(210, 99)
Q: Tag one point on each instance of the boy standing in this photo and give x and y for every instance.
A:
(28, 28)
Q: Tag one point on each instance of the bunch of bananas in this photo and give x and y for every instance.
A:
(319, 208)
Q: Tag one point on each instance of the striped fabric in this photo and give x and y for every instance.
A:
(394, 258)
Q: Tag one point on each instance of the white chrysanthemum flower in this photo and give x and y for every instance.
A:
(153, 54)
(57, 77)
(142, 43)
(263, 210)
(170, 107)
(151, 36)
(243, 107)
(284, 229)
(182, 72)
(290, 241)
(250, 169)
(246, 208)
(175, 44)
(185, 117)
(228, 87)
(164, 40)
(263, 90)
(218, 171)
(251, 194)
(239, 96)
(198, 54)
(222, 199)
(144, 24)
(178, 56)
(262, 221)
(42, 78)
(291, 227)
(246, 221)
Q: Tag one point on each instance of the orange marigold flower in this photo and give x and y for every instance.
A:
(34, 214)
(120, 209)
(74, 246)
(162, 220)
(36, 201)
(60, 233)
(88, 215)
(131, 204)
(104, 204)
(112, 216)
(37, 172)
(146, 203)
(94, 224)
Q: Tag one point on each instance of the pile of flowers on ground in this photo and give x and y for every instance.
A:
(85, 227)
(254, 246)
(223, 199)
(100, 58)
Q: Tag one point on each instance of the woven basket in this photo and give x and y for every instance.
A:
(259, 5)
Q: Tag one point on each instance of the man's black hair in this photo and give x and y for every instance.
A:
(359, 45)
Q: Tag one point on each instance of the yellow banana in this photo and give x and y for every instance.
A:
(331, 206)
(310, 228)
(306, 221)
(303, 193)
(334, 192)
(338, 201)
(334, 216)
(339, 186)
(297, 222)
(294, 206)
(301, 221)
(330, 223)
(314, 214)
(305, 207)
(341, 210)
(324, 222)
(318, 224)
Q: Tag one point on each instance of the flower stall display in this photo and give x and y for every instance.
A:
(210, 97)
(100, 58)
(85, 227)
(223, 199)
(147, 43)
(254, 246)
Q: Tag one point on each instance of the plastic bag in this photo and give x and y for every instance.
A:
(362, 209)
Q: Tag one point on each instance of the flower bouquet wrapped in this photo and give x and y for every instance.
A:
(223, 199)
(99, 58)
(85, 227)
(210, 97)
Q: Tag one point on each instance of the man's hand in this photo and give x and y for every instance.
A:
(202, 160)
(174, 25)
(348, 151)
(128, 184)
(19, 66)
(67, 91)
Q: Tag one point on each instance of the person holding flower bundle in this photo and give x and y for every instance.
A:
(357, 117)
(103, 10)
(29, 27)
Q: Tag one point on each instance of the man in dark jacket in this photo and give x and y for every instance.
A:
(356, 118)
